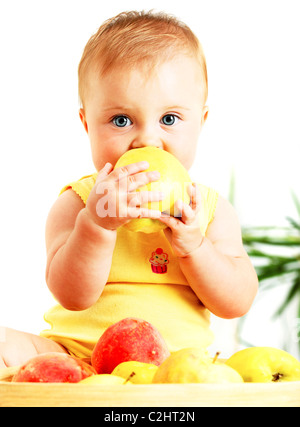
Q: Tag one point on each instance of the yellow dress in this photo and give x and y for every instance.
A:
(146, 282)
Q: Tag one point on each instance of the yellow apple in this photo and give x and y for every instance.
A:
(105, 379)
(193, 365)
(173, 182)
(138, 372)
(265, 364)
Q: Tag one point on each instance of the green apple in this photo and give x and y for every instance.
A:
(138, 372)
(193, 365)
(173, 183)
(265, 364)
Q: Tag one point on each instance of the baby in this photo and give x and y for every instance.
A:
(142, 82)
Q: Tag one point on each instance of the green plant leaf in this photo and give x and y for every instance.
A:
(293, 223)
(270, 240)
(271, 271)
(295, 288)
(267, 247)
(296, 202)
(255, 253)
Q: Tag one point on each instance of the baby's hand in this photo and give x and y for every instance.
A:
(184, 230)
(114, 200)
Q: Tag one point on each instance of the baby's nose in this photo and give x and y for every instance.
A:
(148, 139)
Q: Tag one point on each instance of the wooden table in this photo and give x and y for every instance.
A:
(154, 395)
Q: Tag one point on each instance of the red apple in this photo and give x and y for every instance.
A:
(54, 368)
(129, 339)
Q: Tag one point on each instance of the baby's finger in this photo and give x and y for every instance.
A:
(184, 212)
(171, 222)
(140, 198)
(195, 195)
(140, 179)
(132, 176)
(104, 172)
(125, 171)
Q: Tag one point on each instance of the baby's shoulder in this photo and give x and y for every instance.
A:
(62, 215)
(224, 207)
(82, 187)
(225, 222)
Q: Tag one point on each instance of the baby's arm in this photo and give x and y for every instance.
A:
(80, 240)
(219, 271)
(78, 253)
(216, 266)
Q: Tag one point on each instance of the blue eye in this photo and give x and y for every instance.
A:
(169, 119)
(121, 121)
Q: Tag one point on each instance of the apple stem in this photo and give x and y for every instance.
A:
(216, 356)
(277, 377)
(129, 378)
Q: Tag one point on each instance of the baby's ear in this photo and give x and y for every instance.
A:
(83, 119)
(204, 114)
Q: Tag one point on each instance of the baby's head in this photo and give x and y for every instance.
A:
(134, 39)
(143, 81)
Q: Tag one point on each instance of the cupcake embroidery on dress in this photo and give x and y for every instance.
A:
(159, 261)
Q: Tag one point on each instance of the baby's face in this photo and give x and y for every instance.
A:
(133, 109)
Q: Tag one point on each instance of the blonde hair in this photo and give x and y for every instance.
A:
(133, 38)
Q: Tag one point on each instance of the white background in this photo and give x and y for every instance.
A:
(252, 51)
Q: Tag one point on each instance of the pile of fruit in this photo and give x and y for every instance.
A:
(133, 351)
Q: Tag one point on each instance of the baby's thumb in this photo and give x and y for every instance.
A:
(104, 172)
